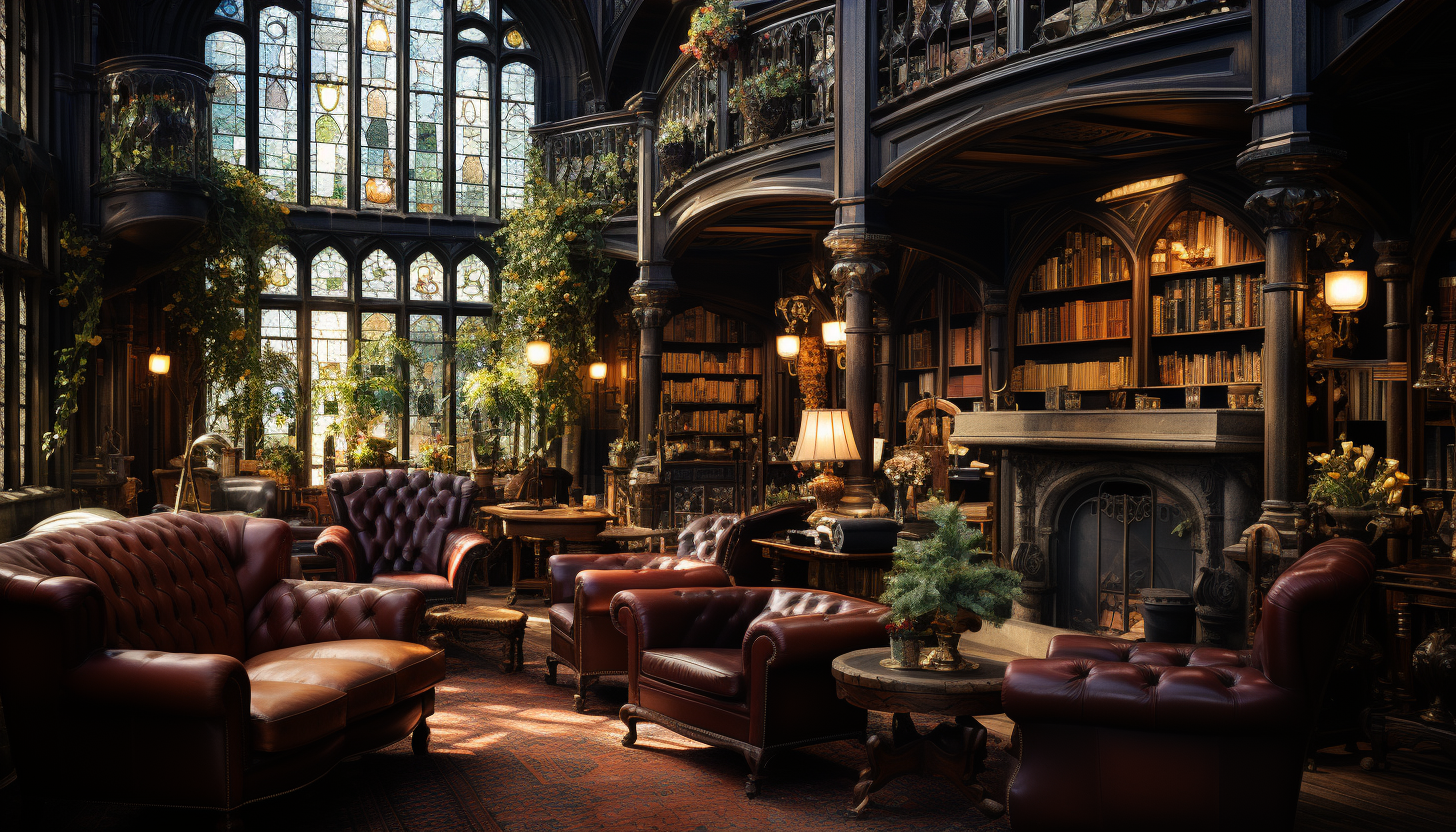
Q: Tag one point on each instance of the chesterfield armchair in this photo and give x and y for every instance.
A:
(166, 661)
(1219, 732)
(582, 634)
(404, 529)
(742, 668)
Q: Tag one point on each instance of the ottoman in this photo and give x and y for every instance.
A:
(451, 623)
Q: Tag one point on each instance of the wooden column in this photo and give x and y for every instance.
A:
(1394, 267)
(993, 352)
(655, 286)
(885, 378)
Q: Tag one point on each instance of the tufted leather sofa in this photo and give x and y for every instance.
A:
(1221, 732)
(164, 660)
(582, 635)
(404, 529)
(745, 668)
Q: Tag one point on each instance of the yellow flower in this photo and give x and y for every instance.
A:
(560, 209)
(599, 212)
(1347, 447)
(65, 302)
(238, 334)
(286, 212)
(1360, 463)
(85, 250)
(1388, 484)
(169, 307)
(1334, 475)
(94, 340)
(569, 236)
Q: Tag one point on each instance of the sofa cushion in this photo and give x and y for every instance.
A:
(367, 687)
(713, 670)
(288, 715)
(563, 617)
(426, 582)
(416, 668)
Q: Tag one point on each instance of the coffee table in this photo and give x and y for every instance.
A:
(955, 751)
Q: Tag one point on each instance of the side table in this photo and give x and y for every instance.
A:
(955, 751)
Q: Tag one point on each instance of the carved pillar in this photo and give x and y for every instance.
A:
(885, 369)
(655, 286)
(651, 313)
(1394, 266)
(858, 263)
(994, 331)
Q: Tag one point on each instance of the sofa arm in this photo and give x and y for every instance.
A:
(463, 547)
(777, 643)
(1194, 700)
(690, 617)
(565, 568)
(189, 685)
(308, 612)
(595, 588)
(338, 543)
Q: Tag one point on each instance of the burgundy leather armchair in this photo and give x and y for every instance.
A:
(582, 634)
(742, 668)
(404, 529)
(742, 558)
(1211, 736)
(165, 661)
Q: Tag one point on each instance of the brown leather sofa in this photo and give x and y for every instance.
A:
(745, 668)
(397, 528)
(165, 661)
(1213, 737)
(582, 634)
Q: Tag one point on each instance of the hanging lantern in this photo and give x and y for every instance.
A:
(159, 362)
(598, 370)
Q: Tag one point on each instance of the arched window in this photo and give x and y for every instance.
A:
(390, 86)
(381, 277)
(280, 272)
(472, 281)
(330, 277)
(427, 278)
(15, 66)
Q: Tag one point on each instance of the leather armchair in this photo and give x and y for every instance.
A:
(1218, 730)
(743, 560)
(165, 661)
(582, 634)
(404, 529)
(742, 668)
(246, 494)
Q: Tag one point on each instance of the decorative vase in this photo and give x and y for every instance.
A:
(1351, 523)
(897, 650)
(945, 656)
(899, 502)
(1433, 663)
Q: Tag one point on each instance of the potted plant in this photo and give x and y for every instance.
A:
(435, 455)
(368, 391)
(281, 461)
(674, 149)
(371, 451)
(946, 585)
(1353, 492)
(713, 34)
(623, 451)
(904, 642)
(766, 100)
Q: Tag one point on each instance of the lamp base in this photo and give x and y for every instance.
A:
(859, 499)
(828, 489)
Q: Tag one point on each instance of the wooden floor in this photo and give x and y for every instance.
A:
(1417, 793)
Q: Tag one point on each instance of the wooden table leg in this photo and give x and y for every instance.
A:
(778, 566)
(515, 570)
(954, 751)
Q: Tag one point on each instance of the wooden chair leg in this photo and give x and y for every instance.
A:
(420, 740)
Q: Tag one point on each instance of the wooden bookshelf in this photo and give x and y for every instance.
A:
(940, 347)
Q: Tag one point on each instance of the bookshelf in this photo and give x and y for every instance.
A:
(940, 348)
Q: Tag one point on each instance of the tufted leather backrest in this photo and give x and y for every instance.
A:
(702, 539)
(743, 560)
(400, 519)
(181, 583)
(1307, 612)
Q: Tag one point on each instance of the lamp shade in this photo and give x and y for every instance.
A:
(825, 436)
(159, 362)
(1345, 290)
(598, 370)
(787, 346)
(538, 353)
(834, 334)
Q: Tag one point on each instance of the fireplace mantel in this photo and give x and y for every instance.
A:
(1178, 431)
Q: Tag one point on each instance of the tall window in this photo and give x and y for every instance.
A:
(421, 106)
(15, 69)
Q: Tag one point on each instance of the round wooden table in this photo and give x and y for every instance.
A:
(558, 523)
(955, 751)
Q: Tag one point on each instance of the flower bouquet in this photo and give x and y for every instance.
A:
(713, 34)
(1359, 494)
(906, 468)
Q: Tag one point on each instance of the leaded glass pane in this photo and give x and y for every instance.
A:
(472, 35)
(278, 102)
(472, 281)
(515, 39)
(22, 357)
(378, 116)
(381, 276)
(376, 325)
(230, 9)
(480, 7)
(23, 70)
(472, 136)
(328, 354)
(330, 275)
(22, 230)
(467, 424)
(427, 390)
(427, 106)
(518, 113)
(427, 278)
(4, 66)
(329, 50)
(227, 55)
(280, 332)
(280, 272)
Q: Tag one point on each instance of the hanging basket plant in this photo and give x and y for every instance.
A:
(766, 100)
(674, 149)
(713, 34)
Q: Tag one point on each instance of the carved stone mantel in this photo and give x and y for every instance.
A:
(1178, 431)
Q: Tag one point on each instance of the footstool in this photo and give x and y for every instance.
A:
(452, 621)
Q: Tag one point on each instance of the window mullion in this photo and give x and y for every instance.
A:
(356, 102)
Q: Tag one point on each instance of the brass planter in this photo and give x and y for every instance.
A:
(946, 656)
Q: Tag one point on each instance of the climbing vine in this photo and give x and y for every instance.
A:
(83, 261)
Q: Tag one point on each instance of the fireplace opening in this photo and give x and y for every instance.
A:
(1114, 538)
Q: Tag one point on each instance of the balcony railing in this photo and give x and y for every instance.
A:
(155, 121)
(692, 99)
(922, 44)
(574, 149)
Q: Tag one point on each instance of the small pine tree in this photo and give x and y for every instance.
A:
(932, 580)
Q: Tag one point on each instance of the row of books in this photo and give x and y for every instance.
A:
(1075, 321)
(698, 324)
(917, 349)
(1445, 342)
(719, 391)
(720, 421)
(965, 346)
(745, 360)
(1085, 375)
(1197, 239)
(1208, 304)
(916, 388)
(1085, 259)
(1364, 397)
(1448, 298)
(1222, 367)
(965, 386)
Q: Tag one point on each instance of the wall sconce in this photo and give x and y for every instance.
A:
(377, 38)
(159, 362)
(787, 346)
(1346, 292)
(836, 335)
(597, 370)
(538, 355)
(328, 95)
(795, 310)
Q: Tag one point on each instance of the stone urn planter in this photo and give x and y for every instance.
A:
(1351, 523)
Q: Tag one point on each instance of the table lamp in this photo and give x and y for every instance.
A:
(825, 438)
(212, 439)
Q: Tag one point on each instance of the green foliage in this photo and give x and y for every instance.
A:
(281, 457)
(933, 579)
(371, 388)
(371, 451)
(671, 131)
(83, 260)
(713, 34)
(778, 81)
(435, 454)
(152, 135)
(262, 400)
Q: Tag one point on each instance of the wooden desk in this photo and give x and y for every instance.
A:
(859, 575)
(635, 534)
(552, 524)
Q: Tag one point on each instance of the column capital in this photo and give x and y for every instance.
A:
(995, 302)
(1394, 262)
(859, 257)
(1291, 204)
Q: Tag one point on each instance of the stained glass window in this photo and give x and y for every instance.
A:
(23, 90)
(4, 68)
(518, 113)
(22, 230)
(427, 278)
(280, 272)
(472, 35)
(329, 53)
(472, 281)
(230, 9)
(378, 82)
(376, 325)
(427, 106)
(466, 423)
(515, 40)
(227, 55)
(330, 275)
(328, 354)
(472, 136)
(280, 332)
(480, 7)
(22, 324)
(278, 102)
(427, 393)
(381, 276)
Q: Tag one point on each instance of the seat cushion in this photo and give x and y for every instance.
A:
(563, 616)
(426, 582)
(367, 687)
(415, 667)
(713, 670)
(1104, 649)
(288, 715)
